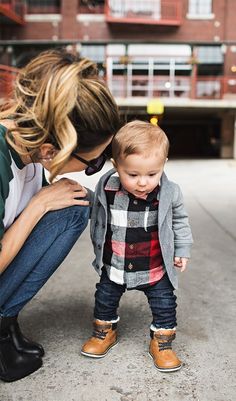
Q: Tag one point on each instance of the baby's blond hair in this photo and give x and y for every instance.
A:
(139, 137)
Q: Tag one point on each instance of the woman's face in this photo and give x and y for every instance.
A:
(73, 164)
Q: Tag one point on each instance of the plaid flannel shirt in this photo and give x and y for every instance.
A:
(132, 253)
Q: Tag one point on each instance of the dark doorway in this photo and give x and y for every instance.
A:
(195, 137)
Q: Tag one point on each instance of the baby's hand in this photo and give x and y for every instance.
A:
(180, 263)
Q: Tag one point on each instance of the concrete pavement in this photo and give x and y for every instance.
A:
(60, 316)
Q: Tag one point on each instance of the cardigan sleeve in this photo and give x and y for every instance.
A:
(181, 227)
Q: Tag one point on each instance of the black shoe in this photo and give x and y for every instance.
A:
(10, 327)
(15, 365)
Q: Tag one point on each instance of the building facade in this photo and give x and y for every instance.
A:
(182, 52)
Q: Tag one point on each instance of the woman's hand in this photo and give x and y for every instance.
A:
(61, 194)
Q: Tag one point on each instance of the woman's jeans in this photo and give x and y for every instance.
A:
(42, 253)
(160, 296)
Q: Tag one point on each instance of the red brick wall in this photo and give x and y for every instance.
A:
(219, 29)
(68, 25)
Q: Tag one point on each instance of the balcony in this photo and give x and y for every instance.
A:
(7, 78)
(152, 12)
(12, 11)
(162, 86)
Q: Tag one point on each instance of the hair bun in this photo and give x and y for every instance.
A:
(69, 58)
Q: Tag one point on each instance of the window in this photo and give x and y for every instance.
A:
(44, 3)
(94, 52)
(210, 60)
(208, 89)
(200, 8)
(91, 3)
(43, 6)
(209, 54)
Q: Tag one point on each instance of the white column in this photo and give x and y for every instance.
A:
(234, 143)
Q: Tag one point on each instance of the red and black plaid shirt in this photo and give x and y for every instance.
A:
(132, 253)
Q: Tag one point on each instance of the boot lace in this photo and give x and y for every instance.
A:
(165, 342)
(100, 332)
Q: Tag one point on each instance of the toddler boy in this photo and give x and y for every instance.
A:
(141, 236)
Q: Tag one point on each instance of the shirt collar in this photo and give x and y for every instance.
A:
(113, 184)
(150, 198)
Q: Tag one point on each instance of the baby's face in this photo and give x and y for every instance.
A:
(140, 174)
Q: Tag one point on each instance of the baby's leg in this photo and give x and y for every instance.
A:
(104, 337)
(162, 301)
(107, 298)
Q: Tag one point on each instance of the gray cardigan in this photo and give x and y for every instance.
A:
(173, 227)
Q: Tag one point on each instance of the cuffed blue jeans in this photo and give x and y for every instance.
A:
(44, 250)
(161, 298)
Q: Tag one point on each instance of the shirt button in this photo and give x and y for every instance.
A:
(130, 266)
(99, 246)
(131, 246)
(135, 202)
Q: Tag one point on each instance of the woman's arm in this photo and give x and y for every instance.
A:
(56, 196)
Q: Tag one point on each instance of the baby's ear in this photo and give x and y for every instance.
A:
(113, 162)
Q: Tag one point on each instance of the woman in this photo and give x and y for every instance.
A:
(63, 118)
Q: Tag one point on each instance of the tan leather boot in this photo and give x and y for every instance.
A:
(103, 339)
(160, 350)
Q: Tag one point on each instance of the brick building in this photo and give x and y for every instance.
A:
(182, 52)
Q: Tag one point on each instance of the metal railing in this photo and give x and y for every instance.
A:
(124, 86)
(162, 12)
(161, 86)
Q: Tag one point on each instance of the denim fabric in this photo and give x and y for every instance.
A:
(42, 253)
(160, 296)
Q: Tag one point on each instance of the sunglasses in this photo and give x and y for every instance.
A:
(94, 165)
(97, 164)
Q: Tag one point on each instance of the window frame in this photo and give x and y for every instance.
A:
(197, 14)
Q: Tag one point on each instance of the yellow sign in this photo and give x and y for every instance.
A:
(155, 106)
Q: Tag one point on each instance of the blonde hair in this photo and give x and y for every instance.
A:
(58, 99)
(139, 137)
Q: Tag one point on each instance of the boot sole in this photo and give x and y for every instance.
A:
(101, 355)
(165, 370)
(15, 378)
